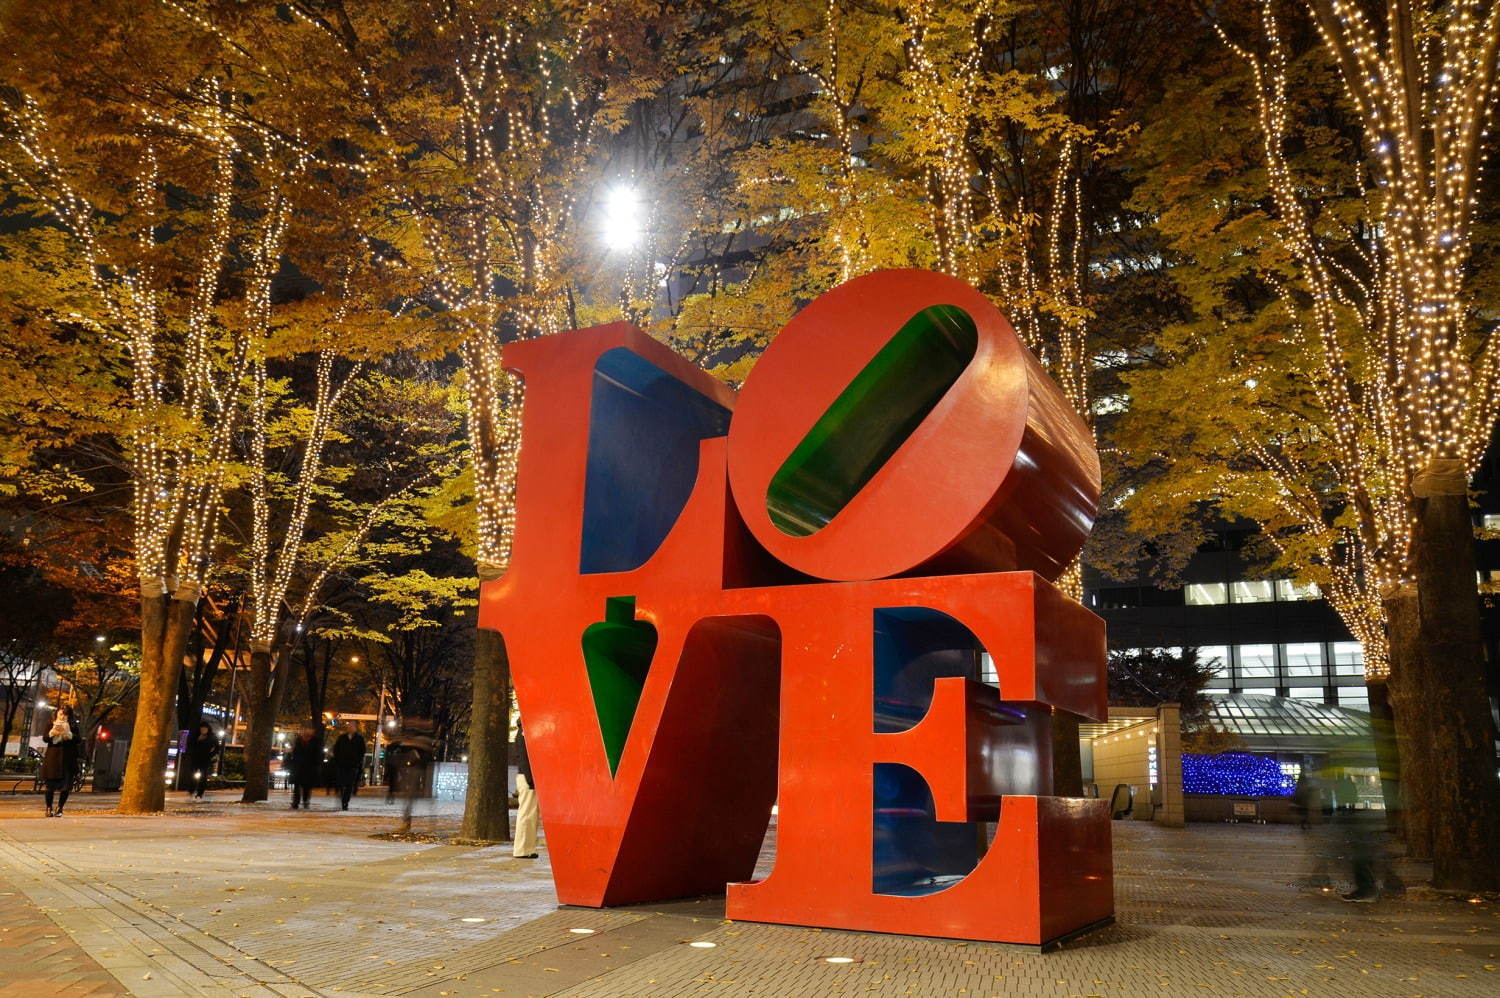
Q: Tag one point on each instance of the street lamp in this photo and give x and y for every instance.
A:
(622, 219)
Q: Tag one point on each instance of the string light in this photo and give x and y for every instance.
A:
(528, 134)
(1391, 346)
(1238, 774)
(1036, 265)
(184, 414)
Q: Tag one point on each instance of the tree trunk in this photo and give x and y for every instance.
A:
(487, 805)
(1387, 758)
(1412, 736)
(1448, 690)
(262, 726)
(165, 625)
(197, 683)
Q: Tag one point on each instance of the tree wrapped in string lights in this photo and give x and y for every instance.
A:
(484, 166)
(973, 138)
(1344, 379)
(320, 492)
(158, 217)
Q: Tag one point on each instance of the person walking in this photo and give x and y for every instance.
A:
(202, 747)
(1308, 798)
(1368, 850)
(60, 762)
(523, 846)
(412, 754)
(348, 761)
(307, 759)
(392, 763)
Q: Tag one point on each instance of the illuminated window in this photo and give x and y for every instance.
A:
(987, 673)
(1216, 656)
(1304, 659)
(1307, 693)
(1253, 591)
(1104, 405)
(1205, 594)
(1348, 658)
(1286, 589)
(1257, 661)
(1358, 701)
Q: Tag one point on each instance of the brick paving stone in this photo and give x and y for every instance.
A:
(224, 899)
(39, 958)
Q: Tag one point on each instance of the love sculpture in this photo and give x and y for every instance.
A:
(795, 597)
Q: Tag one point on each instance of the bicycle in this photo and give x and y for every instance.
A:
(38, 784)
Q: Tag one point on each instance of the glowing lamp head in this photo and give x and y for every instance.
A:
(622, 223)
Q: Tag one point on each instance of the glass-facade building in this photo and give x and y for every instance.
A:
(1266, 637)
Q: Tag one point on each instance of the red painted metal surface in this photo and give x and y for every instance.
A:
(688, 807)
(762, 681)
(1002, 474)
(1046, 873)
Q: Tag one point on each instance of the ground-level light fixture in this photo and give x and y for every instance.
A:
(472, 921)
(702, 944)
(582, 932)
(838, 959)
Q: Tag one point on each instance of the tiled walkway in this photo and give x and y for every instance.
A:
(39, 958)
(220, 899)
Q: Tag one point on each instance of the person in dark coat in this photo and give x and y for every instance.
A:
(202, 747)
(307, 759)
(348, 761)
(60, 762)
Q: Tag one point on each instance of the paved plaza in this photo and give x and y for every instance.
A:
(218, 898)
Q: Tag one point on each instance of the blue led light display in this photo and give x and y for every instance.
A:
(1238, 773)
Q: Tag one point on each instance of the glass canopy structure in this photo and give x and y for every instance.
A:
(1280, 724)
